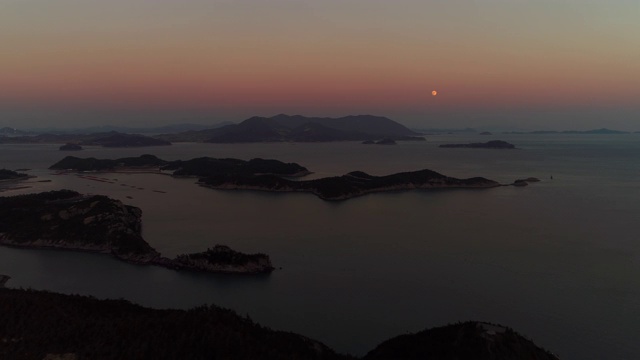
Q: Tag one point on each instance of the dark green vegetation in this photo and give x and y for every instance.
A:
(11, 175)
(108, 139)
(465, 341)
(494, 144)
(37, 323)
(221, 258)
(204, 166)
(347, 186)
(298, 128)
(67, 219)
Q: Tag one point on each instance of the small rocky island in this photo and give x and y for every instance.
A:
(70, 147)
(221, 258)
(66, 219)
(493, 144)
(345, 187)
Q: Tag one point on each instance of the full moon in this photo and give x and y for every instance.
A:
(434, 93)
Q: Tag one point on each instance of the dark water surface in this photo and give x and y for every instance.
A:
(558, 260)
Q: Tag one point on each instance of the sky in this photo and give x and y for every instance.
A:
(515, 64)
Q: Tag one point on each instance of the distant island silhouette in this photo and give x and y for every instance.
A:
(298, 128)
(494, 144)
(108, 139)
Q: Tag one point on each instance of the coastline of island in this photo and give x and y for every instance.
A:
(68, 220)
(353, 184)
(274, 176)
(493, 144)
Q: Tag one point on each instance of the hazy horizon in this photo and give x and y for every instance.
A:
(538, 65)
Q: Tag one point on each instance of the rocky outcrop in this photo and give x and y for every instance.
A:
(221, 258)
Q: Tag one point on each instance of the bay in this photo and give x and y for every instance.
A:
(559, 260)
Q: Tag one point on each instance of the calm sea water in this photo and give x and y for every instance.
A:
(558, 260)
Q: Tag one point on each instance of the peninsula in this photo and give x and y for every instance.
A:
(345, 187)
(12, 175)
(68, 220)
(494, 144)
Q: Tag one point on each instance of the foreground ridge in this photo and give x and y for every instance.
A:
(37, 324)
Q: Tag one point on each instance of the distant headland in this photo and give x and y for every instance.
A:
(12, 175)
(109, 139)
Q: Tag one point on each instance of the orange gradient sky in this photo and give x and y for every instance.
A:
(535, 64)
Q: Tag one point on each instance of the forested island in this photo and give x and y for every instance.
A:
(298, 128)
(66, 219)
(203, 166)
(272, 175)
(38, 325)
(345, 187)
(494, 144)
(221, 258)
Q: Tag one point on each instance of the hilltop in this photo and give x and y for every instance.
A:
(298, 128)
